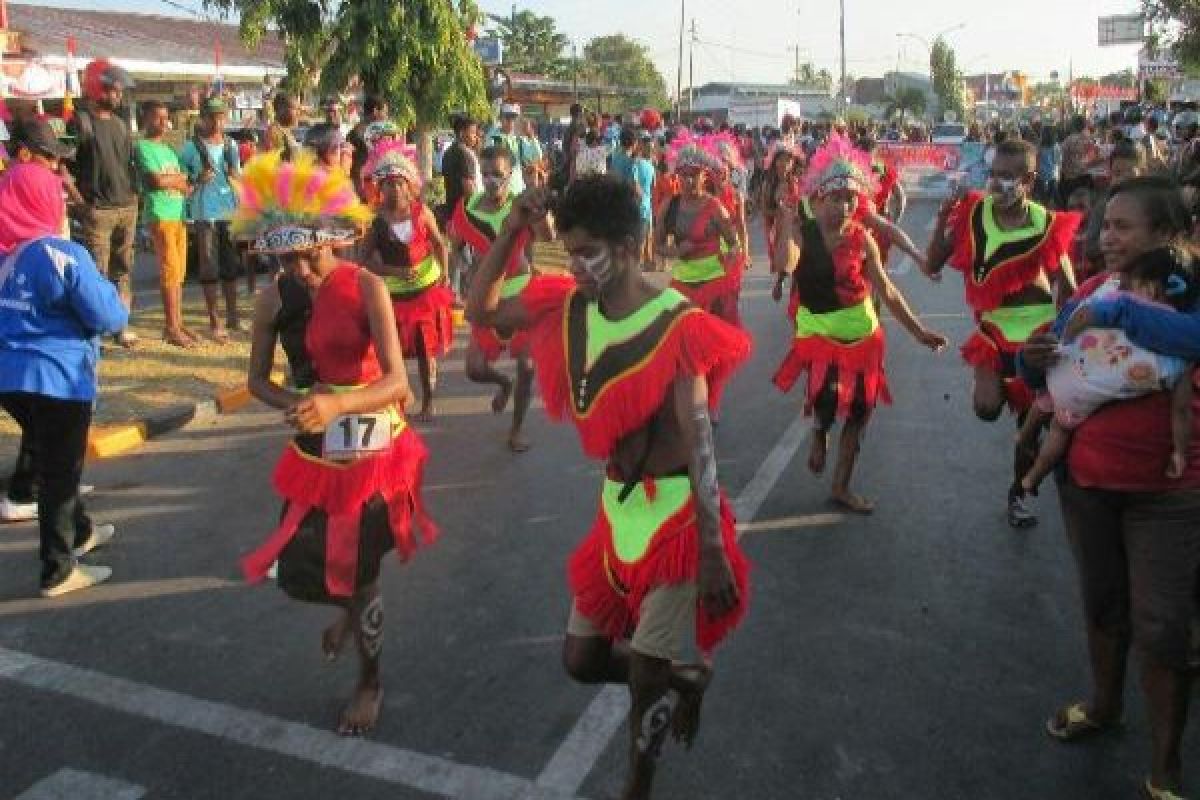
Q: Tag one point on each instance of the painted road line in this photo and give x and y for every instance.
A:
(575, 758)
(73, 784)
(366, 759)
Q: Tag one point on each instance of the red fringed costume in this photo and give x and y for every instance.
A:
(621, 393)
(341, 517)
(837, 332)
(992, 274)
(479, 233)
(889, 179)
(423, 304)
(717, 295)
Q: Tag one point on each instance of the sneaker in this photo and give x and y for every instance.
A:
(81, 577)
(16, 512)
(1019, 515)
(100, 536)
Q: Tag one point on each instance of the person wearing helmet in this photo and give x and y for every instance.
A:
(107, 178)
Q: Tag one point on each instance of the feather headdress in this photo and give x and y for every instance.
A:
(725, 147)
(290, 206)
(391, 158)
(838, 164)
(688, 151)
(379, 130)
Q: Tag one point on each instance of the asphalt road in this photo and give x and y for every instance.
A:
(912, 654)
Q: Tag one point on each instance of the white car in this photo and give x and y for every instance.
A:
(949, 133)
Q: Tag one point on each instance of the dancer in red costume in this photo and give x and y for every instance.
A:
(351, 477)
(780, 186)
(403, 246)
(475, 224)
(834, 263)
(1015, 259)
(636, 368)
(703, 238)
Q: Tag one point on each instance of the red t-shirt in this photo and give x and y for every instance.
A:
(1125, 446)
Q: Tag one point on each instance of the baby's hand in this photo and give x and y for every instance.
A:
(1177, 465)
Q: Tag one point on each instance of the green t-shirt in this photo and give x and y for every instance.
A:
(161, 204)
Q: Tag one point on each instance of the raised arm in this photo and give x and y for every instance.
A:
(484, 305)
(941, 245)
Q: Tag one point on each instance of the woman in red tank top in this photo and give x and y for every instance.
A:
(351, 477)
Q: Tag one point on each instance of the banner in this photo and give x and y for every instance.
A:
(919, 156)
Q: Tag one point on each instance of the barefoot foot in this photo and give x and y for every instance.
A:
(500, 400)
(427, 413)
(518, 443)
(853, 502)
(362, 713)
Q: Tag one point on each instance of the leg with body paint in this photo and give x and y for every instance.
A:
(366, 615)
(521, 399)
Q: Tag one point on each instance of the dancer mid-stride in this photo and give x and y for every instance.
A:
(351, 477)
(636, 368)
(835, 265)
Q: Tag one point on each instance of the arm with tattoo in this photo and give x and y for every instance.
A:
(718, 592)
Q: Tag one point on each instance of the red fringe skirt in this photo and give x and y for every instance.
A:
(609, 591)
(719, 296)
(989, 348)
(345, 504)
(425, 322)
(493, 346)
(817, 354)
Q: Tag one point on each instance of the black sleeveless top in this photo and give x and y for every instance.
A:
(290, 323)
(394, 252)
(813, 279)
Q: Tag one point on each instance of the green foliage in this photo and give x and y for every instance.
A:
(1175, 26)
(414, 53)
(810, 77)
(1125, 79)
(1155, 91)
(905, 101)
(947, 80)
(533, 43)
(619, 61)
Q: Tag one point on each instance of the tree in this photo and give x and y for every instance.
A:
(809, 77)
(415, 54)
(1125, 79)
(947, 80)
(620, 62)
(1175, 26)
(533, 43)
(905, 100)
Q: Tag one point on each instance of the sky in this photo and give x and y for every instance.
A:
(753, 40)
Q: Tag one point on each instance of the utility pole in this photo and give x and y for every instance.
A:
(842, 35)
(575, 70)
(679, 74)
(692, 66)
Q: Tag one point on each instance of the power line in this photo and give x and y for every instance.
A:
(182, 7)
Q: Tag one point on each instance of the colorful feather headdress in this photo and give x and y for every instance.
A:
(292, 206)
(687, 151)
(726, 147)
(391, 158)
(838, 164)
(379, 130)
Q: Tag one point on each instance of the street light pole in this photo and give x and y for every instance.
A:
(679, 74)
(841, 103)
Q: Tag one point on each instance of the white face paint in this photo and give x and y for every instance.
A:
(494, 184)
(598, 267)
(1007, 191)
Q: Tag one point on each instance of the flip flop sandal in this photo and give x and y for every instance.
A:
(1075, 724)
(1160, 794)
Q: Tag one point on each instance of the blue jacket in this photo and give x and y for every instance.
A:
(54, 304)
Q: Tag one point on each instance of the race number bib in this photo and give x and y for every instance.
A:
(357, 434)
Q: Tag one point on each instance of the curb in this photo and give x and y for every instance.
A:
(107, 441)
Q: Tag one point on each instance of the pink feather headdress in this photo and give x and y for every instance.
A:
(688, 150)
(838, 164)
(725, 147)
(392, 158)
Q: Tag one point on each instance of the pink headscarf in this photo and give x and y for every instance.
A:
(31, 205)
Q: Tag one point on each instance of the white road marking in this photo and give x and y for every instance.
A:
(575, 758)
(73, 784)
(360, 757)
